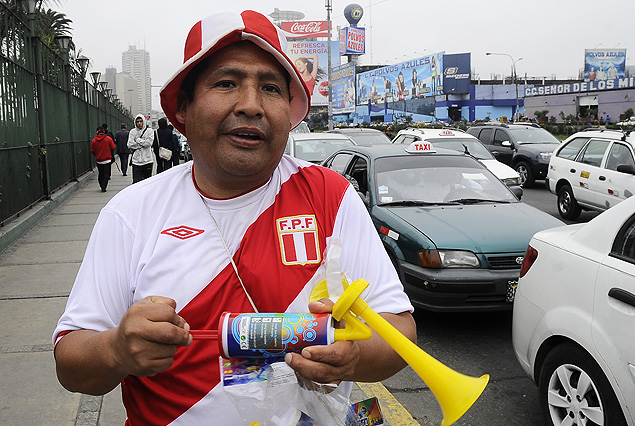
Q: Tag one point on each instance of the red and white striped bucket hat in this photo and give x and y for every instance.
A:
(222, 29)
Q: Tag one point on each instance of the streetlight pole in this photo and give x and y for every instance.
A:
(329, 7)
(514, 77)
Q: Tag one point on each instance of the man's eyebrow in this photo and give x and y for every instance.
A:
(240, 73)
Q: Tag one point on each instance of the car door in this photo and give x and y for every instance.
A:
(502, 147)
(616, 186)
(590, 176)
(614, 309)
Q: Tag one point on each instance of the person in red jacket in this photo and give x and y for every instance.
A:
(102, 147)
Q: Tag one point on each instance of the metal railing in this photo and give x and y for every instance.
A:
(48, 116)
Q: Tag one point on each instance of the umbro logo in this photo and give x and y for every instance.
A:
(183, 232)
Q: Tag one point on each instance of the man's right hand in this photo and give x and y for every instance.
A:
(144, 344)
(150, 332)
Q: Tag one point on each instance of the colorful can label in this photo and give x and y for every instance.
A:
(272, 335)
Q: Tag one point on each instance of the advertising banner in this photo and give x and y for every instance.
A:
(352, 41)
(604, 64)
(311, 59)
(343, 88)
(305, 29)
(413, 79)
(456, 73)
(581, 87)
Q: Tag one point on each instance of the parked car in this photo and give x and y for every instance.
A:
(573, 323)
(454, 232)
(458, 140)
(315, 147)
(525, 147)
(628, 122)
(592, 170)
(363, 135)
(303, 127)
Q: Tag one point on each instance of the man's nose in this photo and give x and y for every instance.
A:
(250, 101)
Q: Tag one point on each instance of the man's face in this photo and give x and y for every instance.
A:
(238, 123)
(139, 123)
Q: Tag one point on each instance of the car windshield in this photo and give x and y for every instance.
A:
(469, 146)
(370, 138)
(317, 150)
(413, 179)
(533, 135)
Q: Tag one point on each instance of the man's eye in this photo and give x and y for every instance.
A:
(272, 88)
(224, 84)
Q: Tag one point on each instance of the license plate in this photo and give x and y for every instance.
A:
(511, 290)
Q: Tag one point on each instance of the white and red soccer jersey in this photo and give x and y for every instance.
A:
(157, 237)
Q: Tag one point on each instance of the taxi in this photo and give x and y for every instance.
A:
(592, 170)
(463, 142)
(454, 232)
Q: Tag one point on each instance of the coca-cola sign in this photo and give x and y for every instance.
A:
(305, 29)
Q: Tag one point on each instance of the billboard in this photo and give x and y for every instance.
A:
(456, 73)
(604, 64)
(352, 41)
(305, 29)
(413, 79)
(343, 87)
(311, 59)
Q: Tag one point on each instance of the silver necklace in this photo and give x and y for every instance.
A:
(231, 258)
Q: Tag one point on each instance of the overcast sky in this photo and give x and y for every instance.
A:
(549, 35)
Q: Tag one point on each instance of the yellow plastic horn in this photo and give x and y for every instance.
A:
(454, 391)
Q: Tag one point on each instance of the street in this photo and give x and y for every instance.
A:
(475, 344)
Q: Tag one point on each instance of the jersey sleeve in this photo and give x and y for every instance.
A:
(363, 256)
(101, 294)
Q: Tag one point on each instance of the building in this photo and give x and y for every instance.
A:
(136, 65)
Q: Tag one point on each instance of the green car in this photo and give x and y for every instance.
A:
(455, 233)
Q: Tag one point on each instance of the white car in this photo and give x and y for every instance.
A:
(573, 323)
(592, 170)
(458, 140)
(316, 147)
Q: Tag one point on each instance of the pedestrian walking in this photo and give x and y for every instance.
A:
(225, 216)
(110, 135)
(176, 154)
(102, 147)
(140, 143)
(121, 141)
(163, 146)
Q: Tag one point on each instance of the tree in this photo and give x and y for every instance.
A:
(541, 115)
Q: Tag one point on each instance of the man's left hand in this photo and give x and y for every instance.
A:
(328, 363)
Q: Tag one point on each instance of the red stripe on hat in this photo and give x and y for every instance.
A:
(260, 25)
(194, 41)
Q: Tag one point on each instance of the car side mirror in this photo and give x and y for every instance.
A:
(626, 168)
(517, 191)
(506, 144)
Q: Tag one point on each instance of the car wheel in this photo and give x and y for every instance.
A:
(526, 176)
(568, 207)
(574, 391)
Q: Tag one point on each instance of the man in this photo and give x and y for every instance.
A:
(102, 147)
(140, 143)
(232, 215)
(121, 140)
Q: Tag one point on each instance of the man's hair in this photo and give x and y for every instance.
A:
(104, 126)
(163, 123)
(123, 125)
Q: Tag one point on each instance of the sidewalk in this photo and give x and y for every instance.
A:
(36, 275)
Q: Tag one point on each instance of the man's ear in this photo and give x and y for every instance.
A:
(182, 103)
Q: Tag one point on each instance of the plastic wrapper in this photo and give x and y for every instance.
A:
(269, 392)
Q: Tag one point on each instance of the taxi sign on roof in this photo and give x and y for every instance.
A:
(420, 147)
(447, 132)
